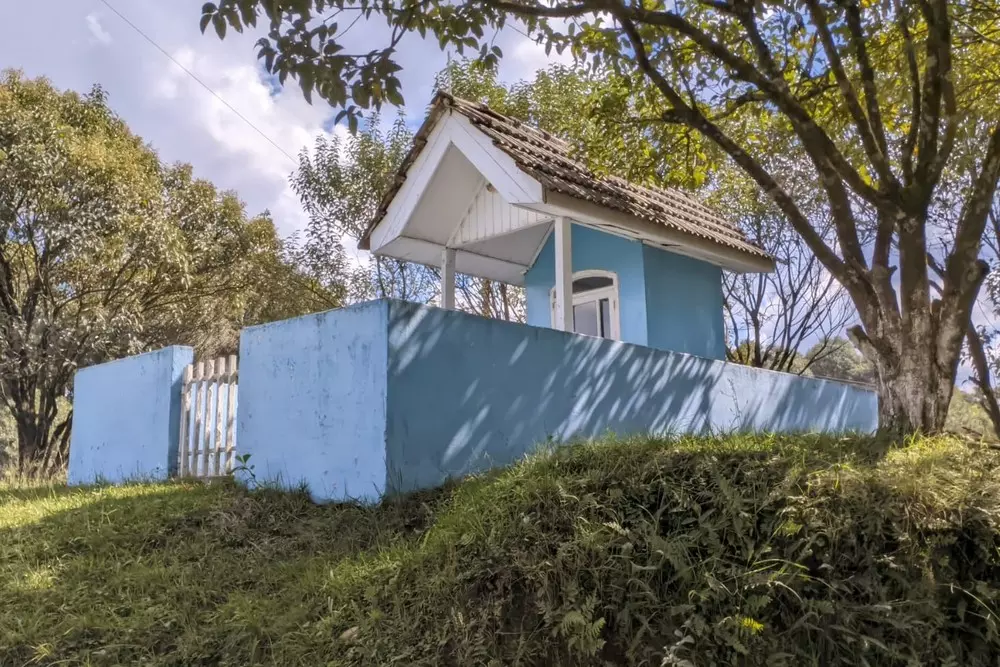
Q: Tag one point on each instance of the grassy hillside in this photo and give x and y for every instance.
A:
(745, 551)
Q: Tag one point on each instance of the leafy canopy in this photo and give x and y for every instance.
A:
(105, 252)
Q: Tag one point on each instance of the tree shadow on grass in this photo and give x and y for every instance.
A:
(177, 573)
(184, 573)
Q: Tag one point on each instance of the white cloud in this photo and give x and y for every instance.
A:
(528, 56)
(185, 122)
(97, 30)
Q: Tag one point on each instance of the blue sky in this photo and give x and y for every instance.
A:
(77, 43)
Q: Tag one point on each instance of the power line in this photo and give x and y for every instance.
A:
(513, 26)
(217, 95)
(202, 83)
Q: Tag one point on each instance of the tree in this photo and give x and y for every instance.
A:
(104, 252)
(280, 289)
(967, 416)
(71, 177)
(340, 184)
(771, 316)
(233, 271)
(839, 360)
(871, 96)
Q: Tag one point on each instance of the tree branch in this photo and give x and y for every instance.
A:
(852, 12)
(816, 142)
(916, 103)
(972, 221)
(874, 148)
(781, 198)
(936, 87)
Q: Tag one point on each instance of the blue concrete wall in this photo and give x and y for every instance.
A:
(592, 249)
(312, 402)
(684, 306)
(466, 393)
(392, 396)
(126, 418)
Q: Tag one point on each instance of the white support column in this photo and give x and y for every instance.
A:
(448, 279)
(564, 274)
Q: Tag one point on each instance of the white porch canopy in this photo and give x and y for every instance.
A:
(480, 193)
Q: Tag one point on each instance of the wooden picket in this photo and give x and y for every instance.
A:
(208, 418)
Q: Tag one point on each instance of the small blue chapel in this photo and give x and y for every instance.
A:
(489, 196)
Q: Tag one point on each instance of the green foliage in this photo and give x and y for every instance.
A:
(340, 183)
(8, 441)
(768, 315)
(838, 359)
(880, 116)
(745, 550)
(967, 416)
(76, 188)
(231, 271)
(765, 356)
(594, 114)
(106, 252)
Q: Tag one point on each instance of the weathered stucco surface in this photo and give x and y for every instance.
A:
(466, 393)
(390, 396)
(126, 418)
(312, 402)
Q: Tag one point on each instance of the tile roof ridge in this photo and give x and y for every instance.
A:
(462, 104)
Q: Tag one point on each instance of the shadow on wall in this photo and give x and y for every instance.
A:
(465, 393)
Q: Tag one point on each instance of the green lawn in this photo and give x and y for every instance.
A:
(739, 550)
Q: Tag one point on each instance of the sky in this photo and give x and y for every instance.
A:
(79, 43)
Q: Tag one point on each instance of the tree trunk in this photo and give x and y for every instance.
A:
(30, 449)
(914, 337)
(981, 377)
(907, 405)
(505, 301)
(486, 295)
(34, 433)
(914, 386)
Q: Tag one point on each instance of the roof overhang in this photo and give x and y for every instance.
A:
(650, 233)
(467, 260)
(458, 189)
(421, 180)
(460, 192)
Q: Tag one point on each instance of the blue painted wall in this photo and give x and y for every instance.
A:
(684, 305)
(126, 418)
(393, 396)
(312, 402)
(667, 301)
(592, 249)
(466, 393)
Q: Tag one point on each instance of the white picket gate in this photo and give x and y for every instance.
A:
(208, 418)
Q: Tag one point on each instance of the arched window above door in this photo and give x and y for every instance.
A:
(595, 304)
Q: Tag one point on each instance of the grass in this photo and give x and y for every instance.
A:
(750, 550)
